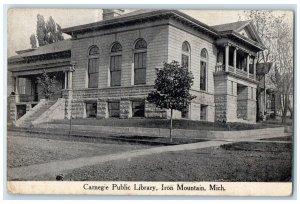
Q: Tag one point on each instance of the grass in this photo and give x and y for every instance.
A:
(243, 161)
(165, 123)
(24, 149)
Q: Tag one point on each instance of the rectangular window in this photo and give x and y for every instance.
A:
(93, 71)
(140, 60)
(232, 88)
(203, 113)
(115, 70)
(91, 109)
(114, 109)
(203, 76)
(138, 108)
(22, 85)
(185, 61)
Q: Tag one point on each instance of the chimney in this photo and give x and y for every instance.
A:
(111, 13)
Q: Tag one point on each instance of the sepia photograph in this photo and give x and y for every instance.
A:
(123, 101)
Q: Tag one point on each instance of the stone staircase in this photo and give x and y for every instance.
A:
(27, 119)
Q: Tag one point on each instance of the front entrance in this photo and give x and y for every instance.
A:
(30, 90)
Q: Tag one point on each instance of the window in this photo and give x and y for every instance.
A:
(22, 85)
(232, 87)
(91, 109)
(203, 69)
(140, 61)
(138, 108)
(203, 113)
(252, 93)
(115, 65)
(114, 109)
(185, 57)
(93, 67)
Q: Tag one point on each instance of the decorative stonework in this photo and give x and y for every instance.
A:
(220, 108)
(125, 109)
(151, 111)
(68, 95)
(12, 108)
(102, 109)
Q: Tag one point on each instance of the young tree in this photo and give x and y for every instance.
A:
(47, 83)
(173, 84)
(33, 41)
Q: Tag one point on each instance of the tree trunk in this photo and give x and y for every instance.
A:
(171, 125)
(285, 107)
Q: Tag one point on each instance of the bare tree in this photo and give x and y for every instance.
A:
(276, 32)
(282, 74)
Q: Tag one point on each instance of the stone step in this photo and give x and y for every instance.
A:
(37, 114)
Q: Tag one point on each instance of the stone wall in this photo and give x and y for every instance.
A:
(234, 100)
(221, 108)
(179, 33)
(125, 109)
(102, 109)
(12, 111)
(242, 103)
(151, 111)
(155, 34)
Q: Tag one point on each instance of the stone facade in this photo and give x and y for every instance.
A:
(227, 97)
(235, 99)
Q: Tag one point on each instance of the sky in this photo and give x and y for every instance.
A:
(22, 22)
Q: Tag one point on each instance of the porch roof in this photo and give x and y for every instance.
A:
(61, 46)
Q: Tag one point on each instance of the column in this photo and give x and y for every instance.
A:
(226, 57)
(70, 79)
(254, 67)
(66, 79)
(16, 83)
(248, 63)
(234, 59)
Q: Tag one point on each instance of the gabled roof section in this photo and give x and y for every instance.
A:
(61, 46)
(235, 26)
(244, 28)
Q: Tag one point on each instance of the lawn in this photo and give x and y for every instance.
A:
(243, 161)
(24, 149)
(164, 123)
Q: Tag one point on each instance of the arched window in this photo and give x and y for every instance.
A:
(203, 69)
(115, 64)
(93, 67)
(186, 53)
(140, 62)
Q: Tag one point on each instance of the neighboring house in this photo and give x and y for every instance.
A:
(107, 68)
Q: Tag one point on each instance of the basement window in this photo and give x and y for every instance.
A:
(114, 109)
(138, 108)
(203, 113)
(91, 109)
(21, 110)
